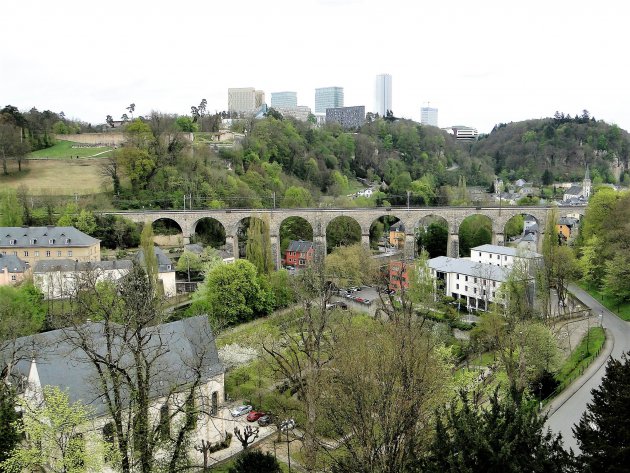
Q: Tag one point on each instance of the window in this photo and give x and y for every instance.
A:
(69, 252)
(498, 256)
(494, 284)
(67, 241)
(484, 292)
(457, 276)
(214, 408)
(466, 278)
(475, 290)
(59, 253)
(36, 253)
(26, 253)
(15, 253)
(34, 241)
(475, 280)
(505, 258)
(480, 254)
(456, 286)
(494, 294)
(466, 288)
(48, 253)
(51, 241)
(302, 262)
(165, 422)
(13, 277)
(12, 242)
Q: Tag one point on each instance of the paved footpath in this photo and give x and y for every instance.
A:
(567, 408)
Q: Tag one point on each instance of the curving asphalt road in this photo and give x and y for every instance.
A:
(570, 407)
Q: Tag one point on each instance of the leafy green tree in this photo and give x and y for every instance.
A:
(56, 436)
(590, 264)
(255, 461)
(434, 240)
(22, 311)
(9, 432)
(297, 197)
(342, 231)
(138, 164)
(83, 219)
(281, 288)
(148, 252)
(474, 231)
(351, 266)
(188, 262)
(186, 124)
(294, 228)
(506, 436)
(258, 246)
(10, 209)
(231, 294)
(603, 434)
(514, 226)
(617, 278)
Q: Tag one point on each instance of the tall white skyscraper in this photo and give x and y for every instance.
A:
(429, 116)
(245, 99)
(383, 94)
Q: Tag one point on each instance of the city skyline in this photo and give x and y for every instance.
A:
(496, 62)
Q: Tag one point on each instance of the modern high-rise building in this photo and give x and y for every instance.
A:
(429, 116)
(328, 97)
(245, 99)
(383, 94)
(286, 100)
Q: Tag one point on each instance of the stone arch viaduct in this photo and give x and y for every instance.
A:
(319, 218)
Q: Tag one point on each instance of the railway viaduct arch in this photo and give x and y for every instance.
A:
(319, 218)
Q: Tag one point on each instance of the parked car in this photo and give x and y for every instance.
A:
(342, 305)
(359, 299)
(265, 420)
(240, 410)
(253, 416)
(366, 301)
(287, 424)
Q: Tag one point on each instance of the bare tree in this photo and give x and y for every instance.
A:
(109, 169)
(247, 436)
(135, 360)
(302, 353)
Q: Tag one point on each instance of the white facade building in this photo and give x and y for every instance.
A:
(245, 99)
(429, 116)
(59, 279)
(383, 94)
(477, 280)
(504, 256)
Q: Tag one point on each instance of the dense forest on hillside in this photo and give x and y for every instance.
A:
(561, 145)
(284, 162)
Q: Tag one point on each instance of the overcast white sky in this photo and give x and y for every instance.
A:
(479, 63)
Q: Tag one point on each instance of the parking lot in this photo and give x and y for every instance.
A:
(362, 298)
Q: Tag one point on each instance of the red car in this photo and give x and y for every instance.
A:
(253, 416)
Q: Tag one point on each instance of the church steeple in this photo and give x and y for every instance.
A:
(586, 184)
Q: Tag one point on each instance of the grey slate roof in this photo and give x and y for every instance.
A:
(179, 348)
(47, 266)
(469, 268)
(12, 263)
(529, 237)
(574, 190)
(39, 237)
(300, 246)
(506, 250)
(194, 248)
(165, 265)
(568, 221)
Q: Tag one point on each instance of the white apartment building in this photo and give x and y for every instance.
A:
(383, 94)
(504, 256)
(476, 280)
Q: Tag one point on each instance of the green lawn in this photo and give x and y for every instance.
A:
(623, 310)
(64, 150)
(583, 355)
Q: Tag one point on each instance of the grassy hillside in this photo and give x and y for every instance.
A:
(64, 150)
(56, 177)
